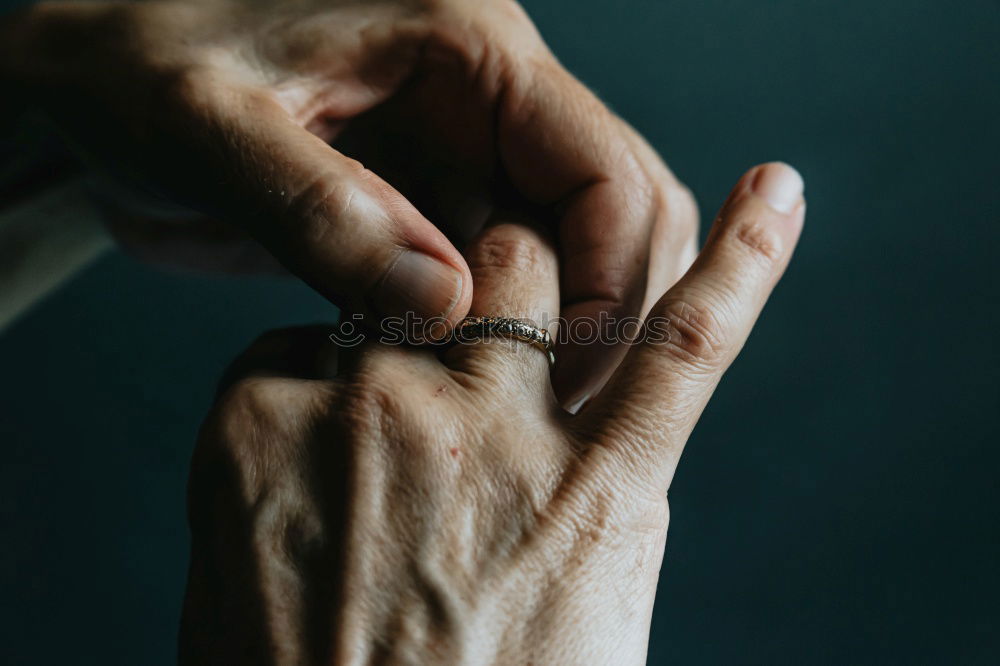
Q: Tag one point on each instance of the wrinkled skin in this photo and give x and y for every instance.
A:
(440, 112)
(418, 506)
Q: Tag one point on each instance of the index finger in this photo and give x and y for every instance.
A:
(699, 326)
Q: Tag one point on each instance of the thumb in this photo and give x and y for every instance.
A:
(337, 225)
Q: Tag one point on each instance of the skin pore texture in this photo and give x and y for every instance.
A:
(405, 505)
(362, 144)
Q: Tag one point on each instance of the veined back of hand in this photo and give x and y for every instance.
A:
(421, 506)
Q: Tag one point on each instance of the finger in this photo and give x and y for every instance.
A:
(562, 147)
(332, 222)
(515, 274)
(695, 331)
(674, 243)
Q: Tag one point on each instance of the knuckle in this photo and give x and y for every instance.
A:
(261, 410)
(373, 401)
(319, 208)
(509, 248)
(690, 333)
(485, 34)
(368, 403)
(762, 242)
(250, 406)
(253, 427)
(378, 414)
(249, 455)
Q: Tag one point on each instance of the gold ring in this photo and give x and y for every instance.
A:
(479, 328)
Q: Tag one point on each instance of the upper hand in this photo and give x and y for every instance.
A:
(456, 108)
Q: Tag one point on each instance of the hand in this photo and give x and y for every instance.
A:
(442, 508)
(457, 109)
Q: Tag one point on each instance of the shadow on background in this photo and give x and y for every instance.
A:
(837, 504)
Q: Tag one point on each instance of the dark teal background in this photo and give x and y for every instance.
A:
(838, 503)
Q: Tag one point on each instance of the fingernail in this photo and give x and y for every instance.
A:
(419, 284)
(780, 185)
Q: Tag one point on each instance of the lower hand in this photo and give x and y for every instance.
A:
(422, 507)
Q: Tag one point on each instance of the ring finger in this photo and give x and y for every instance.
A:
(515, 275)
